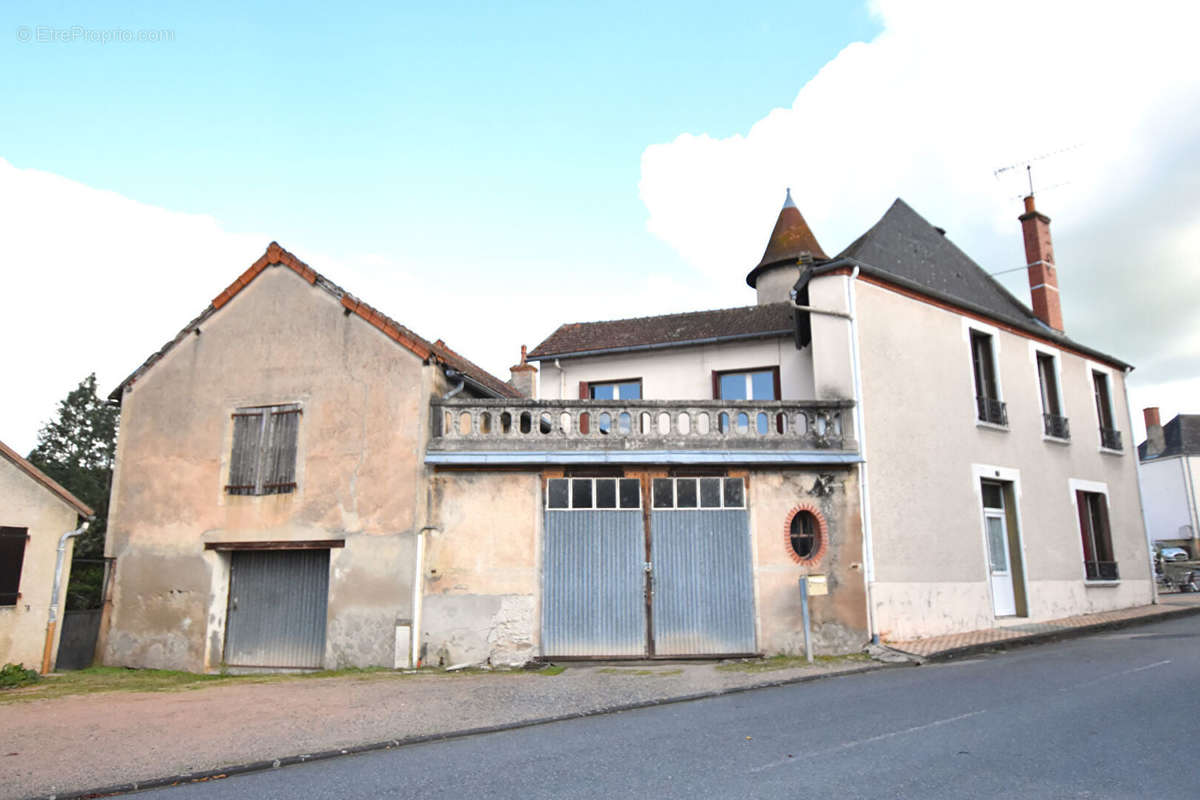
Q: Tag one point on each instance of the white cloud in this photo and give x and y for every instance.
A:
(945, 94)
(94, 281)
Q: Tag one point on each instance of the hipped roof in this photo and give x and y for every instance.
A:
(436, 352)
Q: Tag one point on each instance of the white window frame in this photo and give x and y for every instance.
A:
(1036, 350)
(1108, 374)
(1095, 487)
(969, 325)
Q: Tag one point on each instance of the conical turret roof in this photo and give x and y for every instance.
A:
(791, 240)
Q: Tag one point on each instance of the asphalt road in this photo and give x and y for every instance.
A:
(1112, 715)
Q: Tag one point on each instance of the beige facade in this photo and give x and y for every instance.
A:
(926, 454)
(364, 413)
(28, 503)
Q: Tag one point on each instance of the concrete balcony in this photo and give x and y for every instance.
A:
(642, 431)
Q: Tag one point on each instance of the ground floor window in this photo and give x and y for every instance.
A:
(1099, 562)
(12, 557)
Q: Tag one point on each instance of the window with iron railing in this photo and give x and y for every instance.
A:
(988, 405)
(1054, 423)
(1110, 437)
(1099, 561)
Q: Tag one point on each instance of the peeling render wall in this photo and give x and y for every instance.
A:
(838, 619)
(480, 570)
(365, 415)
(25, 503)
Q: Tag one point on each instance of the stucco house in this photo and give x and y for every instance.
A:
(269, 494)
(302, 482)
(35, 512)
(1169, 468)
(942, 456)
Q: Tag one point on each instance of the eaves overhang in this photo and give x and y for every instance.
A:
(1038, 329)
(663, 345)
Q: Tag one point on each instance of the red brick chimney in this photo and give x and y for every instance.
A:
(524, 376)
(1039, 255)
(1155, 439)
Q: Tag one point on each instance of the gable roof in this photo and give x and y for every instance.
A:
(45, 480)
(1181, 437)
(670, 330)
(436, 352)
(903, 249)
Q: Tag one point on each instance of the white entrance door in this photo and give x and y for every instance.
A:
(1004, 600)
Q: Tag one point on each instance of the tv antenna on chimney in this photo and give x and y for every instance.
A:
(1028, 165)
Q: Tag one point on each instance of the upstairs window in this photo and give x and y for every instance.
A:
(756, 384)
(1110, 437)
(616, 390)
(12, 558)
(1054, 423)
(1099, 562)
(753, 384)
(263, 459)
(988, 406)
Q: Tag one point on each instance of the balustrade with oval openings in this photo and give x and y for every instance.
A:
(467, 424)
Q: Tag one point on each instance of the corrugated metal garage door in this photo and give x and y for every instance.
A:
(277, 602)
(703, 590)
(593, 597)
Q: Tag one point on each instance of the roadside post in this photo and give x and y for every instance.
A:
(810, 585)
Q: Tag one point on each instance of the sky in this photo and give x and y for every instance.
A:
(485, 172)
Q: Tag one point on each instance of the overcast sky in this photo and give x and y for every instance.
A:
(484, 173)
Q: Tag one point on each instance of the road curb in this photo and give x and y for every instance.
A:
(1050, 636)
(265, 765)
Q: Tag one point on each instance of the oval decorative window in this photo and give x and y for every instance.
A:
(806, 535)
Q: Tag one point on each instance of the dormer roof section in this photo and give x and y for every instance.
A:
(791, 241)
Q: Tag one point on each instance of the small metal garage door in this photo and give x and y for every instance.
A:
(703, 597)
(593, 566)
(277, 604)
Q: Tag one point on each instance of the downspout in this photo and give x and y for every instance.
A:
(562, 380)
(418, 597)
(864, 493)
(52, 620)
(462, 382)
(1137, 474)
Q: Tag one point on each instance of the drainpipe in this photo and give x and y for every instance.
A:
(52, 621)
(864, 492)
(562, 380)
(418, 596)
(462, 382)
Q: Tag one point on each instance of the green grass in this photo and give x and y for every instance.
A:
(789, 662)
(121, 679)
(647, 673)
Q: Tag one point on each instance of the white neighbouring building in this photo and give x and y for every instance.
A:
(1169, 468)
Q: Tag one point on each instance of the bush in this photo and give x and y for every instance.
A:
(14, 675)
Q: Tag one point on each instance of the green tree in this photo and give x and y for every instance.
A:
(77, 448)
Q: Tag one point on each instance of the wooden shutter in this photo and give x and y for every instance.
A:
(12, 558)
(243, 460)
(584, 391)
(279, 454)
(1103, 532)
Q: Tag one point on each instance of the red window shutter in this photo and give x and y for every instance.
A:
(716, 385)
(584, 418)
(1084, 521)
